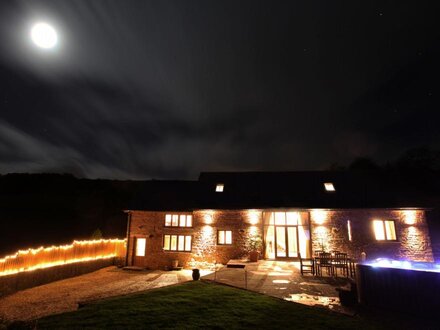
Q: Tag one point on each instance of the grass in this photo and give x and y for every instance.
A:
(208, 305)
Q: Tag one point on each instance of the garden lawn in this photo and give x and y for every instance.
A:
(205, 305)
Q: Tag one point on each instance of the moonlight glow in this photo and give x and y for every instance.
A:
(44, 36)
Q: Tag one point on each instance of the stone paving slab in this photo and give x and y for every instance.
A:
(284, 280)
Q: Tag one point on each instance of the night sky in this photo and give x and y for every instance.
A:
(166, 89)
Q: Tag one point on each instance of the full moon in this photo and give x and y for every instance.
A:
(44, 36)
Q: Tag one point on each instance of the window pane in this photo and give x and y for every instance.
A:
(168, 220)
(378, 230)
(221, 237)
(281, 248)
(189, 219)
(292, 241)
(280, 218)
(390, 230)
(140, 247)
(173, 242)
(175, 220)
(166, 242)
(182, 222)
(187, 243)
(181, 245)
(292, 218)
(349, 229)
(228, 237)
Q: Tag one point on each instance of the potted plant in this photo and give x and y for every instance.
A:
(255, 245)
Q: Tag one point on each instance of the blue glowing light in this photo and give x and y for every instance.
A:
(404, 264)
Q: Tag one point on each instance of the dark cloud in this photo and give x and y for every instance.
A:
(141, 89)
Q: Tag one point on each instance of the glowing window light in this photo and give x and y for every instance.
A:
(379, 231)
(329, 186)
(219, 187)
(178, 220)
(140, 247)
(168, 220)
(224, 237)
(384, 230)
(177, 243)
(349, 230)
(43, 35)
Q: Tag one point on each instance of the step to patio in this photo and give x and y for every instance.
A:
(135, 268)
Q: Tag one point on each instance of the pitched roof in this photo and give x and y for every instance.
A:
(165, 195)
(242, 190)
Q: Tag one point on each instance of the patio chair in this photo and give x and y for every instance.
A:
(340, 261)
(317, 252)
(307, 265)
(324, 261)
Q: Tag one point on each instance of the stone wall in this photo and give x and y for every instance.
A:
(205, 250)
(330, 230)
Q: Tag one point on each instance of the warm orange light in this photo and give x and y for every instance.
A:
(32, 259)
(319, 217)
(253, 217)
(410, 217)
(253, 231)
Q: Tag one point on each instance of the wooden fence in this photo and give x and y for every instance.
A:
(44, 257)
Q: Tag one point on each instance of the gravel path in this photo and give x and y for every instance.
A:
(64, 295)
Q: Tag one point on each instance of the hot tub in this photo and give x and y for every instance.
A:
(412, 287)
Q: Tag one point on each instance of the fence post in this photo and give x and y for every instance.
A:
(245, 278)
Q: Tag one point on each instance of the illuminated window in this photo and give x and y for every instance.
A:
(224, 237)
(329, 186)
(177, 243)
(349, 229)
(140, 247)
(384, 230)
(219, 187)
(178, 220)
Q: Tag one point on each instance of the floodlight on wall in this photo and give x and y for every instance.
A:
(219, 187)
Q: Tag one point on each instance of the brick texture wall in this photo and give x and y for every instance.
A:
(205, 250)
(328, 230)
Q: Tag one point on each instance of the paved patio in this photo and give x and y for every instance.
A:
(283, 280)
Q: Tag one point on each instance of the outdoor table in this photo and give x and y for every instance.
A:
(351, 264)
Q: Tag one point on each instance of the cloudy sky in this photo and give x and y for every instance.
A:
(165, 89)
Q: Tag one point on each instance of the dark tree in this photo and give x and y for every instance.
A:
(363, 163)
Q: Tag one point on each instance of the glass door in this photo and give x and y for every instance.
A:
(292, 239)
(286, 241)
(281, 246)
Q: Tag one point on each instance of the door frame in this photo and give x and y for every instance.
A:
(286, 232)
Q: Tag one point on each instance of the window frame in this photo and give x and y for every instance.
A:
(218, 237)
(178, 220)
(177, 243)
(386, 239)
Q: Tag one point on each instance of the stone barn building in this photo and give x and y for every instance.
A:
(285, 215)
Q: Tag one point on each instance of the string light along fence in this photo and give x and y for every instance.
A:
(45, 257)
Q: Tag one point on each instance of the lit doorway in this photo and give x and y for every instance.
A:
(286, 235)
